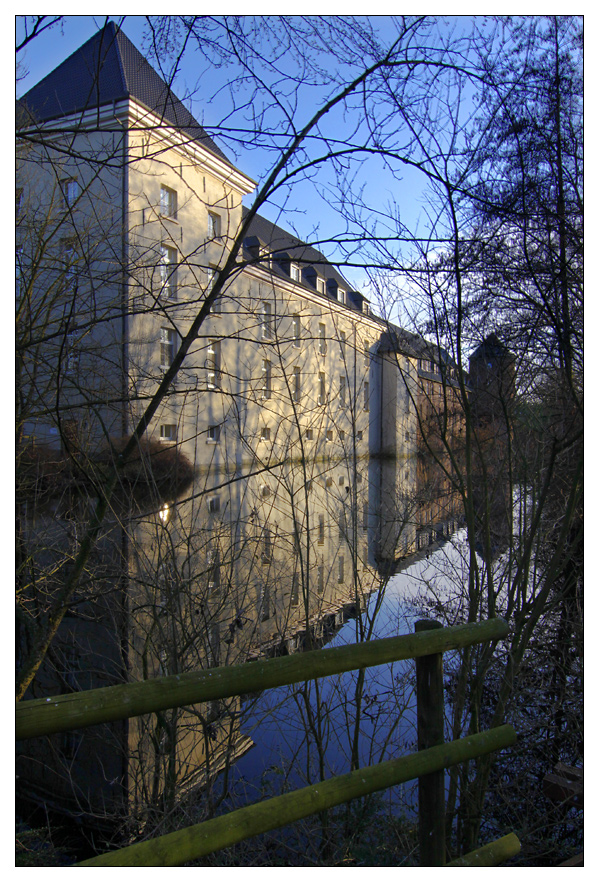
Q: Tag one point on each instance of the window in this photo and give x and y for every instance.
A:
(365, 516)
(342, 390)
(267, 547)
(266, 378)
(296, 330)
(72, 354)
(366, 353)
(213, 434)
(213, 225)
(70, 191)
(329, 434)
(358, 436)
(320, 285)
(322, 339)
(329, 482)
(167, 347)
(213, 504)
(366, 396)
(309, 434)
(342, 525)
(320, 579)
(322, 394)
(341, 435)
(213, 364)
(264, 491)
(265, 433)
(213, 565)
(341, 576)
(295, 590)
(211, 275)
(341, 343)
(168, 202)
(294, 272)
(69, 256)
(297, 384)
(168, 432)
(340, 295)
(265, 604)
(168, 272)
(321, 529)
(266, 321)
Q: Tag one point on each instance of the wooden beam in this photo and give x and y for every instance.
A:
(182, 846)
(44, 716)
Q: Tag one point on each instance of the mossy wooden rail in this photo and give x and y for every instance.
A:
(80, 709)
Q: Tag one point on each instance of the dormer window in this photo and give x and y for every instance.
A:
(340, 295)
(294, 272)
(320, 285)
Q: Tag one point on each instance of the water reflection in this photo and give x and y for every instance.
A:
(272, 561)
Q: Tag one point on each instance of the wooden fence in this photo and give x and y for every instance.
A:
(79, 709)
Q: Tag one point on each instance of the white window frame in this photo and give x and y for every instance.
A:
(297, 384)
(322, 338)
(213, 364)
(168, 344)
(70, 191)
(295, 273)
(168, 432)
(169, 259)
(322, 392)
(265, 433)
(266, 378)
(168, 202)
(267, 320)
(296, 329)
(213, 434)
(214, 225)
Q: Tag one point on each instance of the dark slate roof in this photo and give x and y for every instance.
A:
(105, 69)
(491, 347)
(279, 241)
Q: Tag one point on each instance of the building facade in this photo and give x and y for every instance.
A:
(277, 481)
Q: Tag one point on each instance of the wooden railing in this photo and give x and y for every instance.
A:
(79, 709)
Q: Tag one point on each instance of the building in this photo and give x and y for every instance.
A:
(276, 484)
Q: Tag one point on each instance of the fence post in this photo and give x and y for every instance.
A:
(431, 788)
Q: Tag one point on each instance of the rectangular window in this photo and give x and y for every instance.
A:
(266, 378)
(168, 202)
(265, 604)
(329, 434)
(309, 434)
(213, 504)
(213, 364)
(320, 285)
(211, 275)
(72, 354)
(69, 257)
(267, 547)
(366, 396)
(295, 273)
(168, 432)
(341, 435)
(342, 528)
(366, 353)
(365, 516)
(267, 321)
(340, 295)
(70, 191)
(322, 393)
(320, 579)
(342, 390)
(296, 330)
(321, 529)
(341, 576)
(322, 339)
(265, 433)
(297, 384)
(213, 434)
(214, 231)
(358, 436)
(213, 567)
(341, 343)
(295, 590)
(167, 347)
(168, 272)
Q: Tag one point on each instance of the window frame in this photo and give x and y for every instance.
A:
(168, 202)
(213, 363)
(266, 319)
(322, 338)
(168, 436)
(168, 343)
(266, 379)
(214, 225)
(169, 257)
(297, 384)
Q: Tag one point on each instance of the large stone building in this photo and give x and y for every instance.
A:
(277, 482)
